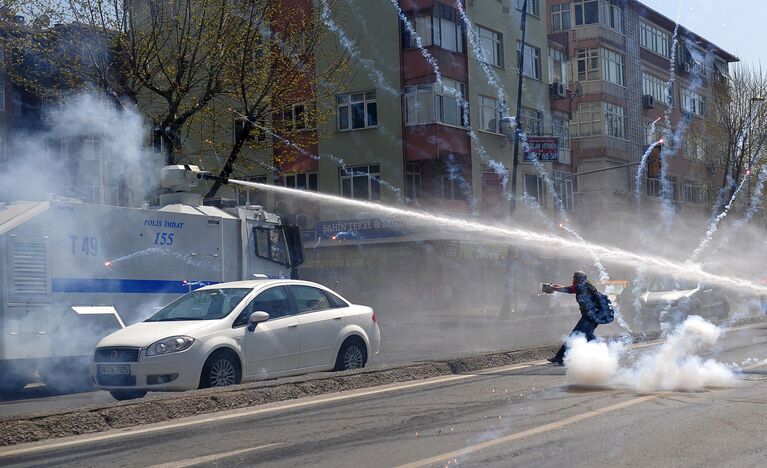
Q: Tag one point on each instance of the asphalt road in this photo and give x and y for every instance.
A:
(523, 415)
(405, 338)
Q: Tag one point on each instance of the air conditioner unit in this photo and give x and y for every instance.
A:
(557, 90)
(648, 101)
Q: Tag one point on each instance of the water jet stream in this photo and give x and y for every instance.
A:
(566, 247)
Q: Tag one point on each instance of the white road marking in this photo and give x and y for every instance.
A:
(211, 458)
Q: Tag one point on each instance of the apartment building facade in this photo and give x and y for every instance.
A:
(419, 122)
(637, 77)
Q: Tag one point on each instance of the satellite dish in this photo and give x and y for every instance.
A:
(577, 90)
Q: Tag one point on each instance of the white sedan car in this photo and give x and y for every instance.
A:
(227, 333)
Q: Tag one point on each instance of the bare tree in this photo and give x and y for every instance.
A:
(282, 95)
(736, 130)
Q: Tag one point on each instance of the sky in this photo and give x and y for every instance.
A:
(736, 26)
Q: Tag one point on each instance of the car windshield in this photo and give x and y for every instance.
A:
(207, 304)
(661, 284)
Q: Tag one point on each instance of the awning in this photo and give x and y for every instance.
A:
(723, 69)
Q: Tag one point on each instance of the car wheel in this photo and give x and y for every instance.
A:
(122, 395)
(352, 355)
(220, 370)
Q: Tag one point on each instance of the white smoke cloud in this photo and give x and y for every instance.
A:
(674, 366)
(86, 144)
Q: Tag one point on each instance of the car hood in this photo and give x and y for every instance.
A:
(143, 334)
(665, 297)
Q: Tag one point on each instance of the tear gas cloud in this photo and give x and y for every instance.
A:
(87, 146)
(675, 365)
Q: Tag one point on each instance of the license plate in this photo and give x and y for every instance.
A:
(113, 369)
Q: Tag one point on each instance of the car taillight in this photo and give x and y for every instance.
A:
(375, 319)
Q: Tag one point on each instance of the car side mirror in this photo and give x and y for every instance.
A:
(256, 318)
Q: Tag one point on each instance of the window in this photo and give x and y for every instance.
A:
(557, 66)
(301, 181)
(564, 188)
(532, 65)
(490, 46)
(3, 152)
(693, 102)
(654, 188)
(64, 148)
(422, 26)
(532, 6)
(586, 12)
(654, 39)
(694, 148)
(258, 128)
(413, 181)
(560, 128)
(205, 304)
(450, 102)
(587, 62)
(17, 105)
(489, 113)
(309, 299)
(615, 120)
(361, 182)
(453, 183)
(296, 117)
(158, 142)
(357, 111)
(273, 301)
(588, 120)
(441, 27)
(612, 15)
(535, 188)
(532, 121)
(613, 66)
(2, 91)
(91, 148)
(422, 101)
(335, 301)
(657, 88)
(271, 244)
(694, 192)
(419, 104)
(251, 196)
(560, 17)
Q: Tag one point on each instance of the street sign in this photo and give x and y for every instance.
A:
(542, 148)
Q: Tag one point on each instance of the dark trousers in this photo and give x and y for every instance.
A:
(586, 326)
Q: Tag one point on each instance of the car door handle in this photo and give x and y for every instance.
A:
(338, 318)
(295, 325)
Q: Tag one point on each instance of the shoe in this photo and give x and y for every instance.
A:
(555, 361)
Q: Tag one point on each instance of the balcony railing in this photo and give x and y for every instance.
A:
(604, 89)
(601, 145)
(599, 32)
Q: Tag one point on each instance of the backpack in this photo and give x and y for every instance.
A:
(603, 311)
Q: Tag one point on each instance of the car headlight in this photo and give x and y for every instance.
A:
(173, 344)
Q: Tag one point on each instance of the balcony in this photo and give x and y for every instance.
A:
(600, 33)
(601, 146)
(604, 89)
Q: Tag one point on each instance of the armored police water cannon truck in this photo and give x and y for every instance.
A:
(72, 272)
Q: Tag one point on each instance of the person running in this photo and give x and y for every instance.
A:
(585, 294)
